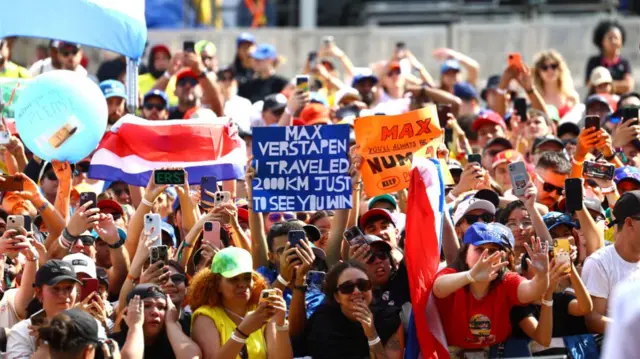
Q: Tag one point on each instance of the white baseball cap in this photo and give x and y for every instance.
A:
(471, 204)
(82, 264)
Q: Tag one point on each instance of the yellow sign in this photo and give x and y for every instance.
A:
(387, 145)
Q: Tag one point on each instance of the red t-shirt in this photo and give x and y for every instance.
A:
(473, 324)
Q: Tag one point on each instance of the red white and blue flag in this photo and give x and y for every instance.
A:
(425, 210)
(134, 147)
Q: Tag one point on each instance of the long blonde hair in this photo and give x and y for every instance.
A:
(565, 81)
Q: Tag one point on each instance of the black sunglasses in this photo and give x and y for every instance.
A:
(473, 218)
(381, 255)
(178, 278)
(363, 285)
(66, 53)
(187, 80)
(548, 187)
(151, 106)
(544, 67)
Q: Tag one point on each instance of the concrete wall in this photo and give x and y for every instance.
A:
(487, 42)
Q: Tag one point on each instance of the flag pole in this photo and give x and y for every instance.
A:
(132, 85)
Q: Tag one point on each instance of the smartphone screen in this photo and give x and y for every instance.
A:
(519, 178)
(302, 83)
(443, 114)
(592, 121)
(354, 236)
(168, 176)
(189, 46)
(313, 57)
(573, 192)
(629, 113)
(89, 285)
(11, 183)
(520, 106)
(211, 234)
(89, 196)
(475, 157)
(208, 183)
(295, 237)
(37, 319)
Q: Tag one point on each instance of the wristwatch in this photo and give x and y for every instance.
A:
(302, 288)
(116, 245)
(66, 235)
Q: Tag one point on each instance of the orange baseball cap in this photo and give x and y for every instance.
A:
(314, 114)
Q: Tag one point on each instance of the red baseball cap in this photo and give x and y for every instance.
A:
(110, 204)
(186, 72)
(393, 65)
(243, 215)
(314, 114)
(507, 156)
(160, 47)
(488, 118)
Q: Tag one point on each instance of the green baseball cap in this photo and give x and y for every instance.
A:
(383, 198)
(232, 261)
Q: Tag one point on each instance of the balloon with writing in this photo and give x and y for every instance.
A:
(61, 115)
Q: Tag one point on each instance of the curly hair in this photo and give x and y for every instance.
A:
(203, 289)
(603, 28)
(565, 81)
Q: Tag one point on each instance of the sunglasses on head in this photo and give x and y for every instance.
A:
(277, 216)
(473, 218)
(151, 106)
(548, 187)
(348, 287)
(187, 80)
(381, 255)
(545, 67)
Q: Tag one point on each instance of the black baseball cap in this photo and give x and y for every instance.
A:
(274, 102)
(627, 206)
(54, 272)
(146, 290)
(83, 325)
(312, 232)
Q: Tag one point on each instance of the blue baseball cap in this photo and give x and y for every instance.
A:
(317, 97)
(465, 91)
(113, 88)
(554, 219)
(264, 52)
(505, 233)
(451, 64)
(627, 173)
(361, 77)
(245, 37)
(157, 93)
(481, 233)
(168, 229)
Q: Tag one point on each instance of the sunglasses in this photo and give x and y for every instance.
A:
(187, 80)
(277, 217)
(151, 106)
(348, 287)
(119, 191)
(66, 53)
(548, 187)
(226, 78)
(473, 218)
(381, 255)
(178, 278)
(545, 67)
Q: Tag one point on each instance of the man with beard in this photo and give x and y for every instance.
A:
(365, 84)
(115, 94)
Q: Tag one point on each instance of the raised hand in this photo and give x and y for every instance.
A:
(487, 267)
(135, 312)
(539, 256)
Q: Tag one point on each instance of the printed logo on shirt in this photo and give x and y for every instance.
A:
(480, 328)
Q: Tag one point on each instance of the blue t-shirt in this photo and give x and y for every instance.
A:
(313, 298)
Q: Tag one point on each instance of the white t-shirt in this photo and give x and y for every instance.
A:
(8, 315)
(239, 110)
(604, 269)
(44, 65)
(19, 343)
(620, 338)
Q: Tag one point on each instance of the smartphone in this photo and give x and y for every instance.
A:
(222, 197)
(520, 106)
(266, 294)
(313, 59)
(629, 113)
(519, 178)
(354, 236)
(5, 137)
(562, 251)
(208, 183)
(475, 157)
(573, 193)
(152, 226)
(302, 83)
(38, 318)
(448, 135)
(295, 237)
(62, 135)
(89, 285)
(592, 121)
(189, 46)
(89, 196)
(11, 183)
(598, 170)
(211, 234)
(16, 222)
(515, 60)
(443, 112)
(316, 279)
(159, 253)
(168, 177)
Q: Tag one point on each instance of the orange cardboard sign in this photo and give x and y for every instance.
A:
(387, 145)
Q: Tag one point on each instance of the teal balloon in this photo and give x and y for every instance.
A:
(61, 115)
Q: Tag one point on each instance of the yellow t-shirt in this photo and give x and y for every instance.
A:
(256, 346)
(146, 82)
(14, 71)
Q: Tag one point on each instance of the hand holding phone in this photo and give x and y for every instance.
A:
(302, 83)
(152, 225)
(211, 234)
(515, 60)
(159, 254)
(208, 183)
(295, 237)
(89, 286)
(592, 122)
(354, 236)
(12, 184)
(189, 46)
(86, 197)
(475, 158)
(519, 178)
(162, 177)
